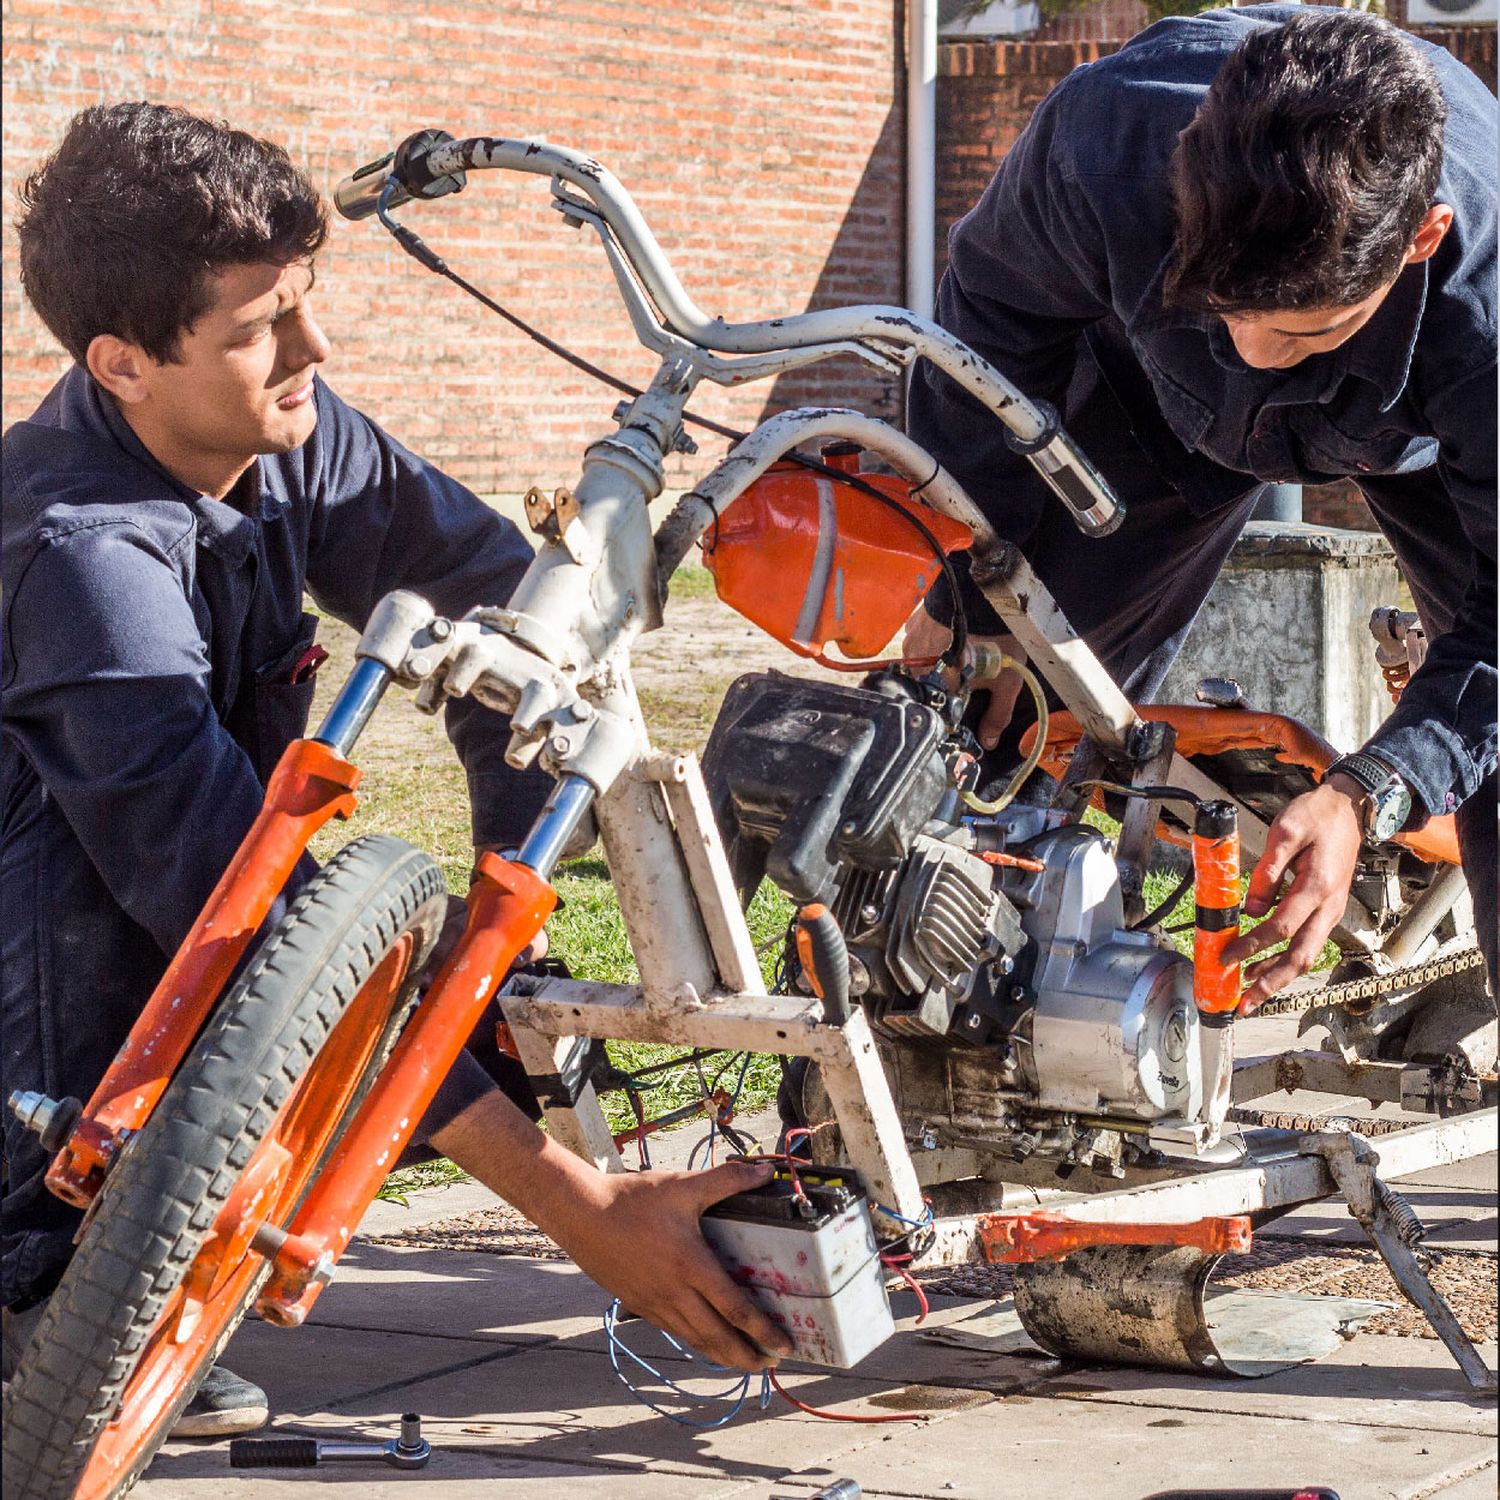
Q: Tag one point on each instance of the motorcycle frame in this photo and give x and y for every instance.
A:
(556, 658)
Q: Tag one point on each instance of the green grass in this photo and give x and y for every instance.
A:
(691, 582)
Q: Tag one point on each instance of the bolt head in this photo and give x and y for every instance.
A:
(440, 629)
(420, 665)
(559, 744)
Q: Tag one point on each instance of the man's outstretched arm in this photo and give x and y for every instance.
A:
(635, 1233)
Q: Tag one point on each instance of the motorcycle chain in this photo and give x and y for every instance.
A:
(1273, 1119)
(1315, 993)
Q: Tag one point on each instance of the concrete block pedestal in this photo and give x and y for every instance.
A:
(1288, 619)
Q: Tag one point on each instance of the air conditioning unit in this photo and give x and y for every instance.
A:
(1451, 12)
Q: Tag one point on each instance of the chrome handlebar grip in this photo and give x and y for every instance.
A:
(358, 196)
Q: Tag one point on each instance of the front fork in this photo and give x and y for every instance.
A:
(508, 905)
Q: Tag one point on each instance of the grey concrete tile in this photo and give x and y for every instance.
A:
(460, 1294)
(185, 1471)
(1452, 1223)
(557, 1404)
(1478, 1173)
(425, 1207)
(1371, 1381)
(314, 1368)
(1026, 1448)
(1479, 1485)
(911, 1357)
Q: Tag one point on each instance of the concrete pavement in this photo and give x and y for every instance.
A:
(505, 1360)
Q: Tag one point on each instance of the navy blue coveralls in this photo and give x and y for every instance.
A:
(151, 638)
(1056, 275)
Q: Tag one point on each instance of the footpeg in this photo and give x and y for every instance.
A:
(52, 1119)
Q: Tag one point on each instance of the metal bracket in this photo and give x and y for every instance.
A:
(553, 517)
(1396, 1231)
(1011, 1238)
(1151, 744)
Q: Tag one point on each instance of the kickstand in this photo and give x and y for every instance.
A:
(1396, 1231)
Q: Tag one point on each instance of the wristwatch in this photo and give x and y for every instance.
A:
(1386, 805)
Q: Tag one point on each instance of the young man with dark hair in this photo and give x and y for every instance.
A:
(1255, 245)
(164, 510)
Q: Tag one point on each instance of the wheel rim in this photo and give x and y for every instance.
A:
(207, 1305)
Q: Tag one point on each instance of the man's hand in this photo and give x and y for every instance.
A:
(1317, 839)
(924, 637)
(635, 1233)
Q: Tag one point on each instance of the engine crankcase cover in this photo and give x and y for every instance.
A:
(1113, 1030)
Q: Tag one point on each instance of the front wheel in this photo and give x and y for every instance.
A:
(165, 1272)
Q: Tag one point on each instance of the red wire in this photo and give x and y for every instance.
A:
(839, 1416)
(907, 1277)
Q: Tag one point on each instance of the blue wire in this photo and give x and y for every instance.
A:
(735, 1392)
(891, 1213)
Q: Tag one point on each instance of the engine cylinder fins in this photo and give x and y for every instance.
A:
(948, 915)
(1152, 1305)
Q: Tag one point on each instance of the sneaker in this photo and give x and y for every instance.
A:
(223, 1406)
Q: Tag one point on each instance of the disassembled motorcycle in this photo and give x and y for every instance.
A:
(987, 1011)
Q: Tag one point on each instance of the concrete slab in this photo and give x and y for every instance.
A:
(1479, 1485)
(516, 1402)
(425, 1207)
(1478, 1174)
(184, 1472)
(459, 1294)
(1457, 1216)
(1026, 1448)
(314, 1369)
(555, 1405)
(1371, 1381)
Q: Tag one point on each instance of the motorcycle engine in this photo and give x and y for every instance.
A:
(1001, 938)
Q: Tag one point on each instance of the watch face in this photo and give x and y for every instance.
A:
(1391, 809)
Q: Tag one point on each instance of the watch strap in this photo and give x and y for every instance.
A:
(1372, 774)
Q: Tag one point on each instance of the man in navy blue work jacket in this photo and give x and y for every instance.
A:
(1256, 245)
(164, 510)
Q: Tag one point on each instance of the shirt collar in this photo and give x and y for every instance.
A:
(222, 527)
(1382, 351)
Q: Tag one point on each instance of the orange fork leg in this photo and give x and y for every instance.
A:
(508, 906)
(310, 785)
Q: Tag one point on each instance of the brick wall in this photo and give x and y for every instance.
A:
(986, 94)
(762, 140)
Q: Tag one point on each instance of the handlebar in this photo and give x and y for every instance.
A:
(432, 164)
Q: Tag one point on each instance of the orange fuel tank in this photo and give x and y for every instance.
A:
(817, 563)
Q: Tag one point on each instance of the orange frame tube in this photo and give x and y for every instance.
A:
(508, 906)
(311, 784)
(1212, 731)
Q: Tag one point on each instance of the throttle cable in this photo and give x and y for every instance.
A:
(425, 255)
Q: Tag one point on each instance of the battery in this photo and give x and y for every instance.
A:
(810, 1259)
